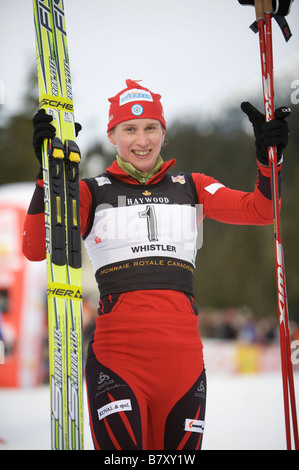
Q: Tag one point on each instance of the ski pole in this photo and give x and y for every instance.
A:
(280, 270)
(264, 17)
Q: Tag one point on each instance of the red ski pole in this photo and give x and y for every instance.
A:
(264, 18)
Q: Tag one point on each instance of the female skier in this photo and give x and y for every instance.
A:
(145, 372)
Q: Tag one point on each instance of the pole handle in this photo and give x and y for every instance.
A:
(259, 9)
(267, 6)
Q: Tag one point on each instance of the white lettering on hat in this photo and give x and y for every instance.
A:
(135, 94)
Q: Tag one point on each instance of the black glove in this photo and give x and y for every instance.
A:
(274, 132)
(279, 7)
(78, 128)
(43, 129)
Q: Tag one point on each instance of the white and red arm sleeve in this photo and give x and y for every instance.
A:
(34, 246)
(233, 206)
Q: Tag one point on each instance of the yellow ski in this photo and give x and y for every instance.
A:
(61, 158)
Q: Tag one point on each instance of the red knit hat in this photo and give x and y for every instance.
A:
(135, 102)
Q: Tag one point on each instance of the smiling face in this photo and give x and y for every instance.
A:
(138, 142)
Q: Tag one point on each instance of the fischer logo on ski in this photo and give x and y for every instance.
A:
(66, 291)
(61, 103)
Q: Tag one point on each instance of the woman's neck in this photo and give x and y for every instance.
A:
(140, 176)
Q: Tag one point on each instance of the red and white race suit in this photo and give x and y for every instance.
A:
(145, 372)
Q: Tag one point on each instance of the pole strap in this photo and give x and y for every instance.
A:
(282, 23)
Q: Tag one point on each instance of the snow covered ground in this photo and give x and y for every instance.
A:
(244, 412)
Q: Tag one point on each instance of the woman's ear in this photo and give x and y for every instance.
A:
(111, 137)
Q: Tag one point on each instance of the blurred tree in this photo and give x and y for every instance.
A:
(16, 153)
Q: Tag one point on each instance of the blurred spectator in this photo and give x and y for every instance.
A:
(241, 324)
